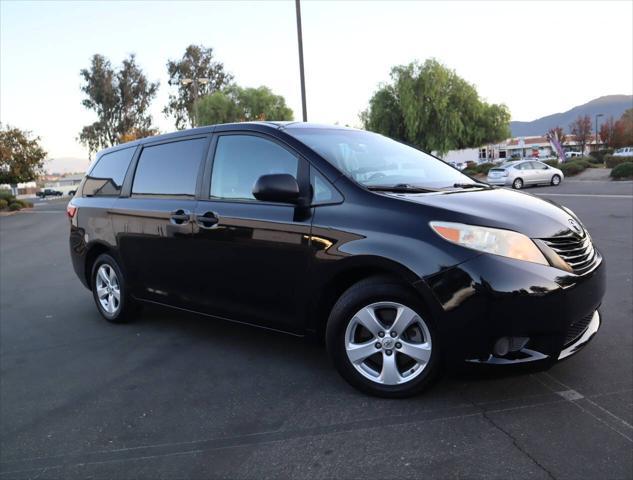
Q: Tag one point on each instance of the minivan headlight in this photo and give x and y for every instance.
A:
(491, 240)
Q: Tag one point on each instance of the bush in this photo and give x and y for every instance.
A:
(584, 161)
(612, 161)
(24, 203)
(470, 171)
(624, 170)
(484, 167)
(15, 206)
(3, 204)
(552, 163)
(572, 168)
(598, 157)
(7, 196)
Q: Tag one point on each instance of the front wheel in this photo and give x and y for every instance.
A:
(517, 184)
(555, 180)
(381, 340)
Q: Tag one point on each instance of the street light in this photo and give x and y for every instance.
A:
(597, 115)
(303, 80)
(196, 82)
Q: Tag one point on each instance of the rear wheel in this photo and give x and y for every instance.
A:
(381, 341)
(517, 184)
(109, 290)
(555, 180)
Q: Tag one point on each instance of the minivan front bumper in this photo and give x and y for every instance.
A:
(490, 297)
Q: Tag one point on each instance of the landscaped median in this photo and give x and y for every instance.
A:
(8, 202)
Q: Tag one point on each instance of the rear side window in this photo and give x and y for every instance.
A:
(106, 177)
(169, 168)
(241, 159)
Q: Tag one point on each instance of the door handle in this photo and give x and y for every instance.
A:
(180, 217)
(207, 220)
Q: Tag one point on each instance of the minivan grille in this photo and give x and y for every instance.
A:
(577, 328)
(578, 252)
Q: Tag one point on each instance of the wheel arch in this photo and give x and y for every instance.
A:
(355, 270)
(92, 253)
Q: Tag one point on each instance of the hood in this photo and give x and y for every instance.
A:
(499, 208)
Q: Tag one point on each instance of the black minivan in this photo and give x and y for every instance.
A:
(398, 260)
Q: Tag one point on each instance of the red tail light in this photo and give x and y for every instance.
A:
(71, 210)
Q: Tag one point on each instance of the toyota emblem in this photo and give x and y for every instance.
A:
(575, 227)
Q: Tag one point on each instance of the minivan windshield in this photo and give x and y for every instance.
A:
(377, 161)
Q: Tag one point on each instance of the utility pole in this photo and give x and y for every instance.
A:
(303, 80)
(195, 83)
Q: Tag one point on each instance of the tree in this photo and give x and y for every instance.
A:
(607, 131)
(557, 132)
(431, 107)
(581, 129)
(21, 156)
(197, 63)
(623, 132)
(237, 104)
(120, 98)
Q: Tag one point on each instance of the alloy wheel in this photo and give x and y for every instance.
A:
(388, 343)
(108, 289)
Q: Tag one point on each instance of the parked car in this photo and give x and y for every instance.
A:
(400, 262)
(572, 155)
(458, 165)
(526, 172)
(48, 192)
(623, 152)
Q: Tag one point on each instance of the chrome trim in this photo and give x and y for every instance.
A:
(591, 330)
(532, 356)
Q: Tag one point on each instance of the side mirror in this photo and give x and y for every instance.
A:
(277, 187)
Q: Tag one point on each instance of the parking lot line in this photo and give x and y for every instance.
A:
(592, 195)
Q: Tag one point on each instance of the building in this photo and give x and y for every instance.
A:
(532, 147)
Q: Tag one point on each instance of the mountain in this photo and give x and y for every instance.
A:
(610, 105)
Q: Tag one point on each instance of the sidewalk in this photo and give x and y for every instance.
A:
(591, 174)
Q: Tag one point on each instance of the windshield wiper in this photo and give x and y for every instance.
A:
(400, 188)
(473, 185)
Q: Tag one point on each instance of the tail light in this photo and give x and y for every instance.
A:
(71, 210)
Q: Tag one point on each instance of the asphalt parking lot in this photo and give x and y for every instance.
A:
(176, 395)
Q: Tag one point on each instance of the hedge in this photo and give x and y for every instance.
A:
(484, 167)
(3, 203)
(7, 196)
(573, 168)
(613, 161)
(598, 157)
(624, 170)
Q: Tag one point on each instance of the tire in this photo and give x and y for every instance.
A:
(555, 180)
(384, 297)
(517, 184)
(114, 310)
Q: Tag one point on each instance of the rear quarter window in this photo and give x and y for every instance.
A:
(106, 177)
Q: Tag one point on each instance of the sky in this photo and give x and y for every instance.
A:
(537, 57)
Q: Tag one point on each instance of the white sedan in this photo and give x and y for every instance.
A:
(525, 172)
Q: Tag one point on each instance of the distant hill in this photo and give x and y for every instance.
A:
(610, 105)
